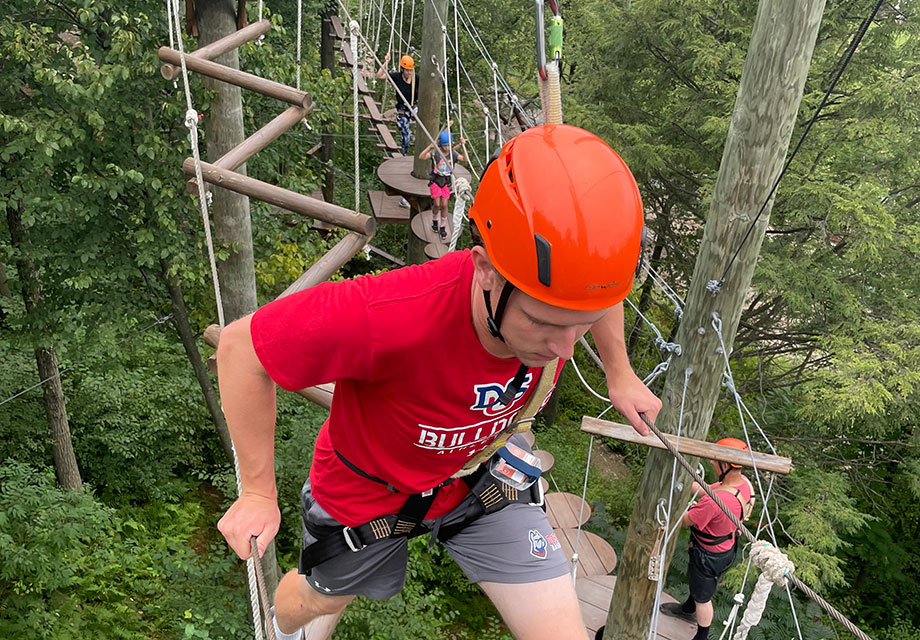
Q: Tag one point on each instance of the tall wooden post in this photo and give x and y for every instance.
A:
(230, 211)
(223, 131)
(771, 89)
(431, 92)
(327, 59)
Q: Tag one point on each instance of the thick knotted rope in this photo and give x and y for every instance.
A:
(775, 567)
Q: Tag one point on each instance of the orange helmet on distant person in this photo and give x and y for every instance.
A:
(406, 62)
(561, 218)
(734, 443)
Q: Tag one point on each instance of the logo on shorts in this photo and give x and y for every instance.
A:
(553, 542)
(537, 544)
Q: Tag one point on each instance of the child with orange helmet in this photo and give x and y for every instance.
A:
(429, 374)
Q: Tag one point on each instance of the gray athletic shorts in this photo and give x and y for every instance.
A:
(514, 545)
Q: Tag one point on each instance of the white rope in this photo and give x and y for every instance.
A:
(485, 112)
(411, 25)
(551, 94)
(775, 566)
(353, 30)
(464, 194)
(379, 22)
(498, 118)
(299, 28)
(191, 121)
(392, 29)
(259, 17)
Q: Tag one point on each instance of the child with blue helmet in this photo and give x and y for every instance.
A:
(442, 164)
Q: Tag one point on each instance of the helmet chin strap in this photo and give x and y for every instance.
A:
(493, 322)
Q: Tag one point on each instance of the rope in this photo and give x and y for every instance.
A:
(299, 28)
(660, 342)
(498, 123)
(411, 23)
(857, 38)
(191, 122)
(354, 29)
(551, 94)
(263, 592)
(774, 566)
(464, 194)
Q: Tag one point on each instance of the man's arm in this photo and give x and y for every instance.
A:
(627, 392)
(382, 71)
(248, 397)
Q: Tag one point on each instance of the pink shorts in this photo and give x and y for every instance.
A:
(439, 192)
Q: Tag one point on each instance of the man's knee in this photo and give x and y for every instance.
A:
(296, 602)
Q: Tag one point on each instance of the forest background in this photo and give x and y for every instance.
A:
(98, 238)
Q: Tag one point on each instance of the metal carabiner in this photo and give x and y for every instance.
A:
(661, 513)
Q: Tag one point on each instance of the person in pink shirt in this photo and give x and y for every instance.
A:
(433, 365)
(713, 540)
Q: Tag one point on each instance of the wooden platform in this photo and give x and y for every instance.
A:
(595, 555)
(396, 174)
(386, 208)
(594, 594)
(547, 461)
(435, 250)
(566, 510)
(421, 227)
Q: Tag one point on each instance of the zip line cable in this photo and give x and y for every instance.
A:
(714, 285)
(61, 372)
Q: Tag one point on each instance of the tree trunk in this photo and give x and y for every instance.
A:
(430, 96)
(65, 460)
(223, 131)
(232, 227)
(774, 74)
(180, 320)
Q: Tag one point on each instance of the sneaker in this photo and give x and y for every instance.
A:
(434, 225)
(403, 203)
(674, 609)
(599, 634)
(443, 233)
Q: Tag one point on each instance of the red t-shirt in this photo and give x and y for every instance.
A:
(413, 382)
(709, 518)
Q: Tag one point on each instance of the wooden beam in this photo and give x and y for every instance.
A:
(220, 47)
(272, 194)
(262, 138)
(240, 78)
(337, 256)
(337, 29)
(688, 446)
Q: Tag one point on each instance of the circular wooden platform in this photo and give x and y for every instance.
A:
(595, 594)
(529, 437)
(595, 555)
(396, 174)
(565, 510)
(435, 250)
(421, 227)
(546, 460)
(544, 484)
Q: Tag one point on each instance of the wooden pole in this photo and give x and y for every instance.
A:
(430, 95)
(327, 59)
(239, 78)
(283, 198)
(220, 47)
(689, 447)
(323, 268)
(773, 77)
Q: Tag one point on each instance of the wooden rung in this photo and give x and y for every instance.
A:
(362, 85)
(337, 28)
(566, 510)
(349, 58)
(261, 138)
(387, 137)
(220, 47)
(386, 208)
(312, 151)
(278, 196)
(388, 256)
(595, 555)
(689, 446)
(547, 461)
(372, 109)
(344, 250)
(239, 78)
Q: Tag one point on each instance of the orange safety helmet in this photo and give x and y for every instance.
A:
(734, 443)
(406, 62)
(561, 218)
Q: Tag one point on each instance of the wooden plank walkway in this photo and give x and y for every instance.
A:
(594, 594)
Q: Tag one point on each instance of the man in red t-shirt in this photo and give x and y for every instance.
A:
(713, 537)
(433, 365)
